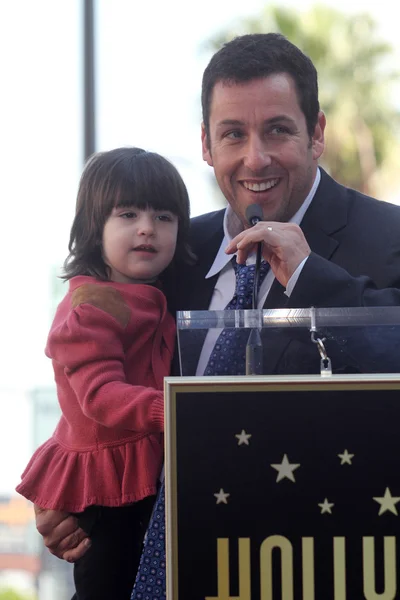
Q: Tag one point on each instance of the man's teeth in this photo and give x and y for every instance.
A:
(260, 187)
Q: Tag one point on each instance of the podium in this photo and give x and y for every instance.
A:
(287, 486)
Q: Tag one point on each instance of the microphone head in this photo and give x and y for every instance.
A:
(254, 214)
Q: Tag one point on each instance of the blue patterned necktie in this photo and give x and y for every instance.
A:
(229, 353)
(150, 581)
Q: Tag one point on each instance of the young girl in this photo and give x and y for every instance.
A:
(111, 344)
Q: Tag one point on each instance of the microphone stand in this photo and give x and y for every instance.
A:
(254, 349)
(256, 275)
(254, 353)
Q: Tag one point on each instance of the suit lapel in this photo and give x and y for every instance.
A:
(196, 290)
(326, 215)
(201, 289)
(276, 297)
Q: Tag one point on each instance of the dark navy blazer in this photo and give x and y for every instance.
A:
(355, 261)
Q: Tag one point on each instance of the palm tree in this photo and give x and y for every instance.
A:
(362, 135)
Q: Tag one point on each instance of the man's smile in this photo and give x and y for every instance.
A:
(260, 186)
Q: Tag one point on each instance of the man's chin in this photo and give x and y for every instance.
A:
(271, 208)
(272, 211)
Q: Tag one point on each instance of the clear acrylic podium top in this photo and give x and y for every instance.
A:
(296, 341)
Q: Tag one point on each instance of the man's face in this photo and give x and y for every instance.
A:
(259, 146)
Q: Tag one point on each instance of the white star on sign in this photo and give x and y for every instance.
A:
(243, 438)
(222, 497)
(387, 502)
(326, 507)
(285, 469)
(345, 458)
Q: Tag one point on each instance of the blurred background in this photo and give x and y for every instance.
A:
(144, 90)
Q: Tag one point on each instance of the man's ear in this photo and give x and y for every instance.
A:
(205, 146)
(318, 139)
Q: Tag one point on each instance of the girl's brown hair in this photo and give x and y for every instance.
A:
(123, 177)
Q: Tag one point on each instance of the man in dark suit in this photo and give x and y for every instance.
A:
(263, 133)
(354, 253)
(327, 245)
(354, 261)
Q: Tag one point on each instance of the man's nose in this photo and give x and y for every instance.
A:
(146, 224)
(257, 154)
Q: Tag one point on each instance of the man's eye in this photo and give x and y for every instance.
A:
(280, 129)
(234, 135)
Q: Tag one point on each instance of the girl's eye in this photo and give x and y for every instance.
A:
(128, 215)
(165, 217)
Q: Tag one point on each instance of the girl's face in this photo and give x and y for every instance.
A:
(139, 244)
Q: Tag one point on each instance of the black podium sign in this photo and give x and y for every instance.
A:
(283, 489)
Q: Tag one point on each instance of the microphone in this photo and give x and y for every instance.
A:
(254, 214)
(254, 349)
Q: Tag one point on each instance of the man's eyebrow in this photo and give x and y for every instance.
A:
(280, 119)
(230, 122)
(271, 121)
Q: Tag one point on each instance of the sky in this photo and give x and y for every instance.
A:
(150, 59)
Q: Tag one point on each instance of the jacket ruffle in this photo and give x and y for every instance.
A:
(107, 476)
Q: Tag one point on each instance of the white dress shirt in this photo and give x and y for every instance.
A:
(226, 282)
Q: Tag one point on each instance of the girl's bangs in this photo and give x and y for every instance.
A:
(149, 186)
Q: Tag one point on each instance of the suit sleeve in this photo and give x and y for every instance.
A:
(324, 284)
(88, 346)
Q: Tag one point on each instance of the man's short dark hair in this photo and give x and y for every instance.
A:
(259, 55)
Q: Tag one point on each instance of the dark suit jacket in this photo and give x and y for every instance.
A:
(355, 261)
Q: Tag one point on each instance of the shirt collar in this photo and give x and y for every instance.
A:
(233, 226)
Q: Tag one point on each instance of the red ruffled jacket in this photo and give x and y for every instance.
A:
(111, 345)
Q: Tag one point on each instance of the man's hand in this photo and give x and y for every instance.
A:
(284, 247)
(61, 534)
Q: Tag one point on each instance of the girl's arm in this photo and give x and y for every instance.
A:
(88, 348)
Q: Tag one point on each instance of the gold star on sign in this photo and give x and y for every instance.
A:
(345, 458)
(243, 438)
(285, 469)
(387, 502)
(222, 497)
(326, 507)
